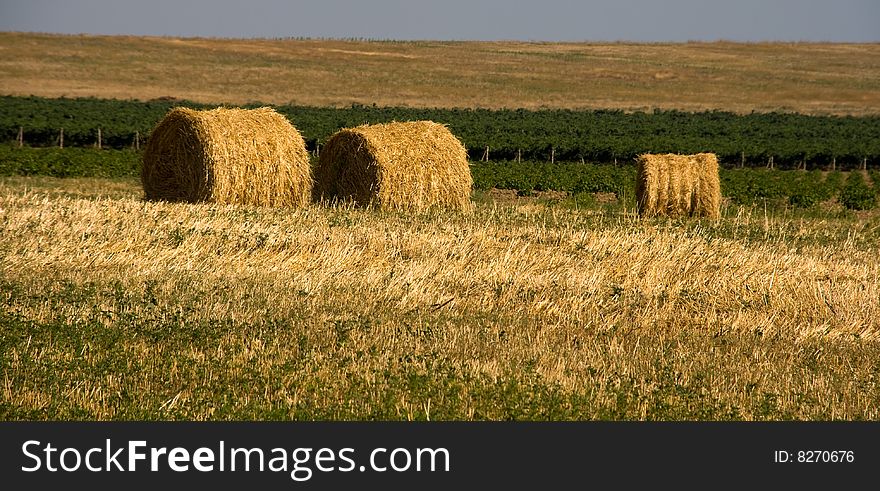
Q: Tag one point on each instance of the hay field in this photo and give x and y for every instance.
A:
(116, 308)
(800, 77)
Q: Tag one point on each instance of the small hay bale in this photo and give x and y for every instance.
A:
(414, 165)
(678, 185)
(227, 156)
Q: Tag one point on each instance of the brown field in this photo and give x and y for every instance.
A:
(801, 77)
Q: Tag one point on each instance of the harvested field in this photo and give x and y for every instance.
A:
(811, 78)
(116, 308)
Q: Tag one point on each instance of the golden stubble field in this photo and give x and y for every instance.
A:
(119, 308)
(812, 78)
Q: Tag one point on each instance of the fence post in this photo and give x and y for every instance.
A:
(61, 139)
(552, 155)
(486, 154)
(865, 163)
(20, 137)
(518, 155)
(833, 163)
(742, 160)
(137, 140)
(99, 138)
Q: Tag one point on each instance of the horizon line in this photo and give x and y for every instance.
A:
(428, 40)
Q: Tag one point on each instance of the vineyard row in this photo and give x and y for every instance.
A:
(779, 140)
(741, 186)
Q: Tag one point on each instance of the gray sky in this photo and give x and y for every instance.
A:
(539, 20)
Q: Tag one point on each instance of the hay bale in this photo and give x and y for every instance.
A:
(678, 185)
(227, 156)
(414, 165)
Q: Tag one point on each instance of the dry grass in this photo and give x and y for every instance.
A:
(802, 77)
(678, 185)
(119, 308)
(414, 165)
(227, 156)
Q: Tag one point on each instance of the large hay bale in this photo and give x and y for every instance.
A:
(678, 185)
(414, 165)
(227, 156)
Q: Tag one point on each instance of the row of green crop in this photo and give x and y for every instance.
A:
(572, 177)
(564, 135)
(68, 162)
(742, 186)
(800, 189)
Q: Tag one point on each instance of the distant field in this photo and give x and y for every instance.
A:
(806, 78)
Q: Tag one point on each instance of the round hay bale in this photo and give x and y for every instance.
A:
(414, 165)
(678, 185)
(227, 156)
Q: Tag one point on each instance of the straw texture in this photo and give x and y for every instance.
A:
(678, 185)
(412, 165)
(227, 156)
